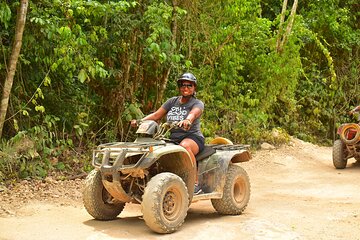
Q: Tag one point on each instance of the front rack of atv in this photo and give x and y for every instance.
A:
(117, 151)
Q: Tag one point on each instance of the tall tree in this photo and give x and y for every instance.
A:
(20, 25)
(282, 37)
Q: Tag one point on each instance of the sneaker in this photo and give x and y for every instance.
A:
(197, 189)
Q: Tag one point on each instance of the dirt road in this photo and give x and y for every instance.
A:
(296, 194)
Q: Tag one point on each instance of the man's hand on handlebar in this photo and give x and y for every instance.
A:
(356, 109)
(185, 124)
(134, 123)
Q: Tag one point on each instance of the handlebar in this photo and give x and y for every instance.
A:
(353, 111)
(171, 125)
(161, 130)
(165, 128)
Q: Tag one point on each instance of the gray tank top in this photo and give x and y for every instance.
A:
(177, 111)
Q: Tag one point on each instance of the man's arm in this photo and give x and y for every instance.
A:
(356, 109)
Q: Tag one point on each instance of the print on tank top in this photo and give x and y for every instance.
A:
(177, 114)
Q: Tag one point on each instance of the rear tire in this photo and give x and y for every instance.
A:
(338, 155)
(236, 194)
(97, 200)
(165, 203)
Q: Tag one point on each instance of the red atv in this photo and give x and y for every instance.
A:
(348, 145)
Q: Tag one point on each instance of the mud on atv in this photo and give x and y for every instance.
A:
(347, 146)
(159, 175)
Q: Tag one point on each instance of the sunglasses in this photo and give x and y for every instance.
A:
(183, 85)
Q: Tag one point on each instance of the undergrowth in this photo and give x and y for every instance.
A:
(37, 154)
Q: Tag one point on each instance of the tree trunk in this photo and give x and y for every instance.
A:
(166, 73)
(20, 25)
(290, 24)
(283, 36)
(282, 19)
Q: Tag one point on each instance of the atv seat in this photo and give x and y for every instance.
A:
(206, 152)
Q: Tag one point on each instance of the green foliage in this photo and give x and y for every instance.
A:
(246, 79)
(39, 151)
(5, 14)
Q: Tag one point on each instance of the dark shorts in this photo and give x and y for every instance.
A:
(199, 141)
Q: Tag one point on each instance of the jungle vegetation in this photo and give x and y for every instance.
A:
(73, 73)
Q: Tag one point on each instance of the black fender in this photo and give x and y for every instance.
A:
(212, 170)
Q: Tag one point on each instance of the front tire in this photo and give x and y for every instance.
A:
(165, 203)
(338, 155)
(97, 200)
(236, 192)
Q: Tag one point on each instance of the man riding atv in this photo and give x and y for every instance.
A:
(355, 110)
(348, 145)
(161, 173)
(185, 109)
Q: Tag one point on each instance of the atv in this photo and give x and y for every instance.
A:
(159, 174)
(348, 145)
